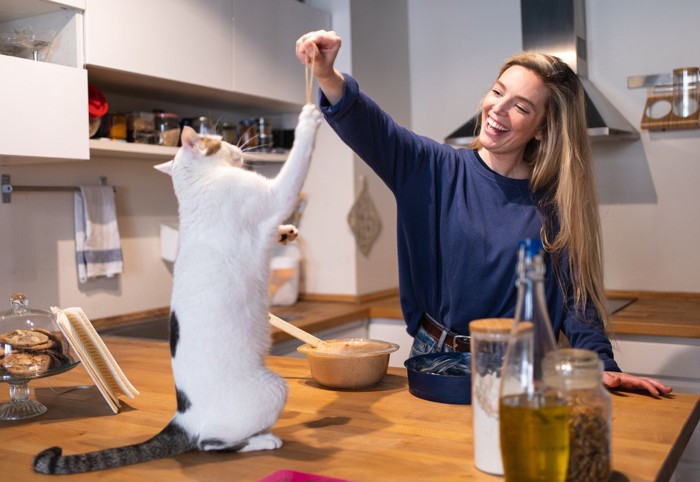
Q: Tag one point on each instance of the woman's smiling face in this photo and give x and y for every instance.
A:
(512, 111)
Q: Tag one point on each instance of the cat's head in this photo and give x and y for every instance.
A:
(201, 152)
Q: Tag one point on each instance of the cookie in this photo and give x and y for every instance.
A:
(42, 346)
(23, 338)
(23, 363)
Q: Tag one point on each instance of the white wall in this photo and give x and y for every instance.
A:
(37, 238)
(648, 194)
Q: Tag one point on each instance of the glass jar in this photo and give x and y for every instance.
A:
(248, 129)
(228, 133)
(489, 340)
(590, 453)
(168, 128)
(203, 125)
(686, 91)
(264, 134)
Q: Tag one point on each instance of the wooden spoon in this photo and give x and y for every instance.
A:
(297, 333)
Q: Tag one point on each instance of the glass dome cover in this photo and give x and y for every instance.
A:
(31, 346)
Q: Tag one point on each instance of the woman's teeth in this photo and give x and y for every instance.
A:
(495, 125)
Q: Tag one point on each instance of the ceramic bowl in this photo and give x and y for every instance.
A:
(441, 377)
(349, 363)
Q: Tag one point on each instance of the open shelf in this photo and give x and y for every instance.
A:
(108, 148)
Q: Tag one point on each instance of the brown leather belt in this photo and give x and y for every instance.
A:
(459, 343)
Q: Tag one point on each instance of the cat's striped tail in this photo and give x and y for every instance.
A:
(171, 441)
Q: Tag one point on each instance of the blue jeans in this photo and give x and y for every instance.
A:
(423, 343)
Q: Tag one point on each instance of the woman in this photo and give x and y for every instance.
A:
(461, 213)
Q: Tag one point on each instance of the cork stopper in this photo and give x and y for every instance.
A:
(491, 325)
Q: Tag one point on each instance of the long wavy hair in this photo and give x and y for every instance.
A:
(561, 165)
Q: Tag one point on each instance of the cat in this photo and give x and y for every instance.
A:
(227, 400)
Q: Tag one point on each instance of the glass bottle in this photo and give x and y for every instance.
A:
(534, 415)
(590, 452)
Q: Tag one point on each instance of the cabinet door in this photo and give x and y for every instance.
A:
(265, 34)
(44, 111)
(187, 41)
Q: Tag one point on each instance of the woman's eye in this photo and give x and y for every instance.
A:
(496, 92)
(522, 109)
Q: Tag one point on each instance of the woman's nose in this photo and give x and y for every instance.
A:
(499, 107)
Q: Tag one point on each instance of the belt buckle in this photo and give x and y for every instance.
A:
(460, 339)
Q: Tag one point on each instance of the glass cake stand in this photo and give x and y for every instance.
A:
(31, 346)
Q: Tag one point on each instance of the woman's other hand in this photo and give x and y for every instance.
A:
(632, 382)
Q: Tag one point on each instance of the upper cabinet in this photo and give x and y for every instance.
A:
(233, 52)
(223, 55)
(179, 40)
(44, 88)
(265, 33)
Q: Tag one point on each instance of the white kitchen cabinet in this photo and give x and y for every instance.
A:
(674, 361)
(265, 34)
(394, 331)
(180, 40)
(44, 103)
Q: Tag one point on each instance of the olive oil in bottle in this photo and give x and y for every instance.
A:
(534, 439)
(534, 415)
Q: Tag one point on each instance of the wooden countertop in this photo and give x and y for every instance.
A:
(383, 433)
(653, 314)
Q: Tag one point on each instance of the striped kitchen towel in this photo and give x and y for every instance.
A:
(98, 249)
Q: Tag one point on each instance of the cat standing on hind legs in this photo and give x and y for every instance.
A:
(227, 399)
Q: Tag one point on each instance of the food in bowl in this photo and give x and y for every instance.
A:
(349, 363)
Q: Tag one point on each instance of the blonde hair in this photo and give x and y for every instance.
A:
(561, 164)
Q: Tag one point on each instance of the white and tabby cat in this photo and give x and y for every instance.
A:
(227, 400)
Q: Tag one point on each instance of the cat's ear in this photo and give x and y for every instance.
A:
(165, 167)
(188, 138)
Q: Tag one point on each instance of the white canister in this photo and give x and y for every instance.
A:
(283, 288)
(489, 340)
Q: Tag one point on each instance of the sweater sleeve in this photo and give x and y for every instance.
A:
(392, 151)
(587, 332)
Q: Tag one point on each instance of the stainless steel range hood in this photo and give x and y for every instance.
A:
(558, 27)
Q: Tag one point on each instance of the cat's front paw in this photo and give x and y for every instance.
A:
(310, 116)
(287, 233)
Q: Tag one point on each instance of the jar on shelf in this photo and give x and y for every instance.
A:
(203, 125)
(168, 128)
(248, 129)
(264, 134)
(589, 415)
(229, 133)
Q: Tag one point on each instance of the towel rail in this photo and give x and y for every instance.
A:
(8, 188)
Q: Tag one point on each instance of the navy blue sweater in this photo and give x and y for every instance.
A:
(458, 226)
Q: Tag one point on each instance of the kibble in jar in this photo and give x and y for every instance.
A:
(590, 451)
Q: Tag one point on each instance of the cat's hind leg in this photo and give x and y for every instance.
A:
(286, 233)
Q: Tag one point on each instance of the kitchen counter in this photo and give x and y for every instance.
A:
(653, 314)
(383, 433)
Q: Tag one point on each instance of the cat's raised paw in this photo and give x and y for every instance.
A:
(287, 233)
(310, 114)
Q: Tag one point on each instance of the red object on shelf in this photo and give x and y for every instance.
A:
(97, 102)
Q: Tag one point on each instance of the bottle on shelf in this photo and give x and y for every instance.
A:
(534, 415)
